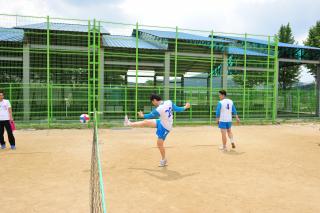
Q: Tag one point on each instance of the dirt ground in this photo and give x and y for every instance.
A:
(273, 169)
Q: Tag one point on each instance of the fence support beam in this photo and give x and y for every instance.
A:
(175, 70)
(275, 82)
(318, 91)
(26, 82)
(166, 79)
(101, 83)
(48, 72)
(225, 72)
(137, 70)
(244, 77)
(210, 78)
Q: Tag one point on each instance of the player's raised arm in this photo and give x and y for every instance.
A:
(180, 109)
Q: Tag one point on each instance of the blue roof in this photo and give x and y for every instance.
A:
(240, 51)
(297, 46)
(265, 42)
(61, 27)
(127, 42)
(13, 35)
(181, 35)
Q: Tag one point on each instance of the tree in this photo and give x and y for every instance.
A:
(314, 41)
(288, 74)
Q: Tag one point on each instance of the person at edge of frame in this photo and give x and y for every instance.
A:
(5, 122)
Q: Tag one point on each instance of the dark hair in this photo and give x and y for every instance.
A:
(223, 92)
(1, 91)
(155, 96)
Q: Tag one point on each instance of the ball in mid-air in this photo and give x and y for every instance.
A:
(84, 118)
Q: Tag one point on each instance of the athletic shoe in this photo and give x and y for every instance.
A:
(3, 146)
(222, 148)
(126, 121)
(13, 147)
(233, 145)
(163, 163)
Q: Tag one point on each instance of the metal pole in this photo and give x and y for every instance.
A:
(275, 81)
(317, 91)
(125, 100)
(137, 68)
(248, 103)
(94, 65)
(10, 93)
(26, 81)
(89, 64)
(244, 77)
(51, 105)
(317, 87)
(99, 74)
(211, 68)
(268, 67)
(175, 70)
(298, 94)
(48, 70)
(190, 100)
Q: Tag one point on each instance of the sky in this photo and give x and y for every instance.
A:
(237, 16)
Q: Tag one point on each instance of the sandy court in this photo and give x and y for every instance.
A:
(274, 169)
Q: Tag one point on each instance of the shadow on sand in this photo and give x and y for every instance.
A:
(165, 174)
(233, 152)
(205, 145)
(9, 152)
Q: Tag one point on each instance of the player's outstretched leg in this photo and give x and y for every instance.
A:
(230, 135)
(144, 123)
(224, 139)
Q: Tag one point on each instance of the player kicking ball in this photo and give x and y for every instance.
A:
(224, 111)
(164, 112)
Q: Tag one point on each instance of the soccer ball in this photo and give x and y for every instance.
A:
(84, 118)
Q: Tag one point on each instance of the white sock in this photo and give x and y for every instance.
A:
(231, 140)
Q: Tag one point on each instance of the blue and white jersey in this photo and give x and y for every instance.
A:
(165, 112)
(225, 109)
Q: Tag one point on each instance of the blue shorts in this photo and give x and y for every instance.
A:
(161, 131)
(225, 125)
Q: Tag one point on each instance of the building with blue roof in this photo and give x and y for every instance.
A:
(62, 27)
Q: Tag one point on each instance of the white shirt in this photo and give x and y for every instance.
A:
(165, 111)
(4, 110)
(226, 109)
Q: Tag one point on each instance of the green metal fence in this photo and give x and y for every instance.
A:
(55, 69)
(297, 102)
